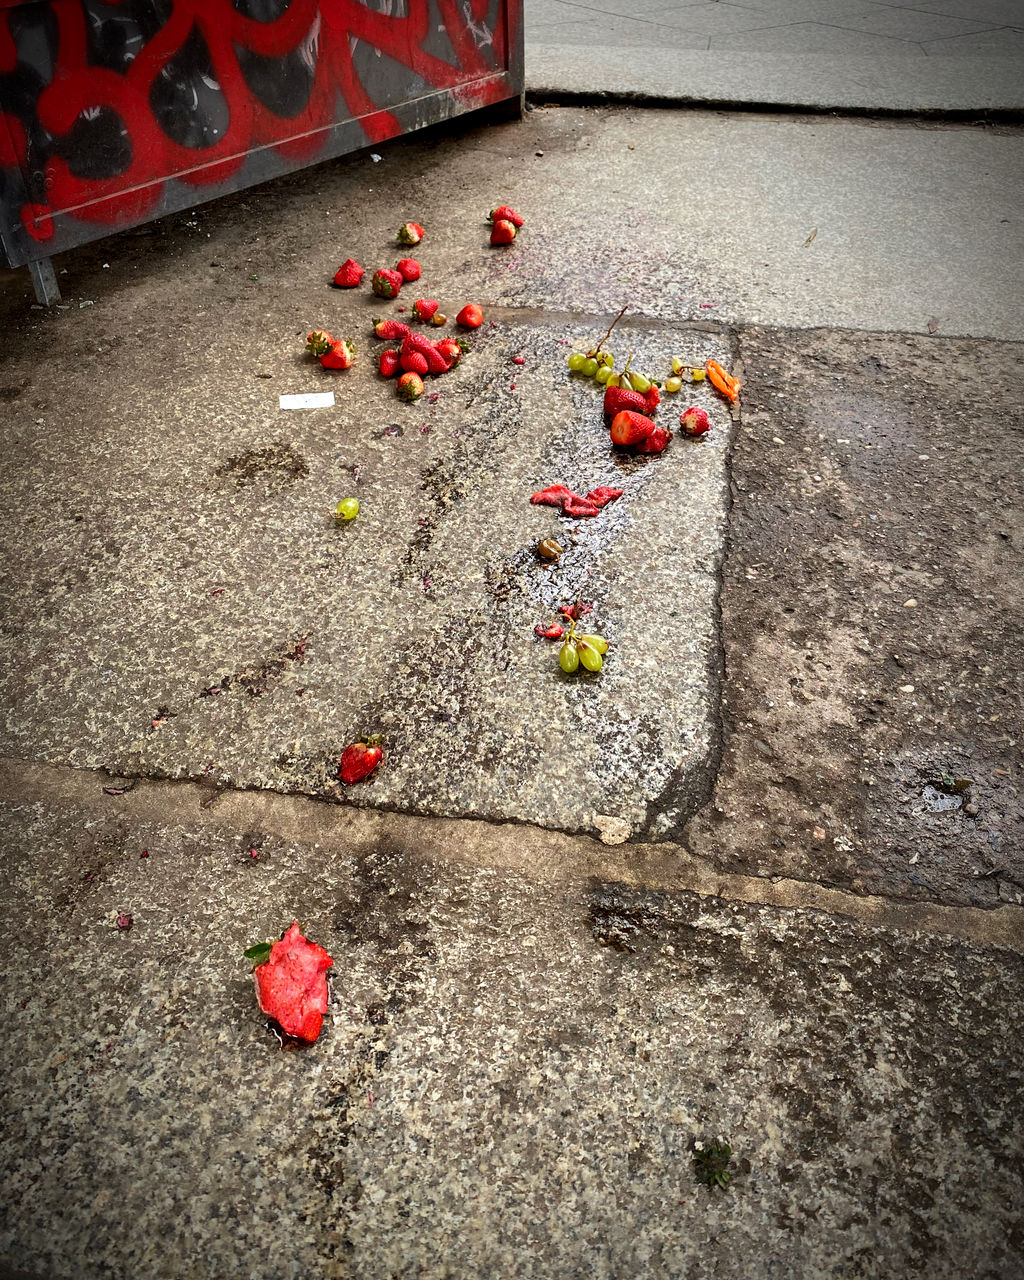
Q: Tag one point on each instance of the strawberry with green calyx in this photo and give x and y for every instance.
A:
(425, 309)
(387, 283)
(410, 233)
(410, 386)
(340, 355)
(630, 428)
(503, 232)
(291, 982)
(390, 361)
(504, 213)
(318, 341)
(349, 274)
(390, 330)
(694, 421)
(453, 349)
(359, 759)
(414, 362)
(656, 442)
(409, 269)
(470, 317)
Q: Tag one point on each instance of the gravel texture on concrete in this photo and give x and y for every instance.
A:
(180, 601)
(510, 1080)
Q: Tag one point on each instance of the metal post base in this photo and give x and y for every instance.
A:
(44, 281)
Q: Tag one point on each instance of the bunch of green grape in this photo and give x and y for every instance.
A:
(585, 651)
(600, 365)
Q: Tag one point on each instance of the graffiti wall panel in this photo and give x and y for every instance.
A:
(115, 111)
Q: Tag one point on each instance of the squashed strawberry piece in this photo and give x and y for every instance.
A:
(553, 496)
(578, 507)
(553, 632)
(291, 984)
(604, 494)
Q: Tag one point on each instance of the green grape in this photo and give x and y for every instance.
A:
(677, 365)
(568, 657)
(590, 658)
(590, 367)
(603, 374)
(608, 358)
(596, 642)
(697, 375)
(576, 361)
(348, 509)
(615, 380)
(639, 383)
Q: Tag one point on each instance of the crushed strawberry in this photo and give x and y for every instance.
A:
(291, 984)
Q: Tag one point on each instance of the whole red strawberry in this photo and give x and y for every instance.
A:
(415, 362)
(387, 283)
(452, 349)
(318, 341)
(409, 269)
(348, 274)
(437, 362)
(410, 386)
(291, 983)
(618, 398)
(358, 761)
(390, 330)
(503, 232)
(339, 356)
(389, 362)
(470, 317)
(656, 442)
(630, 428)
(410, 233)
(504, 213)
(424, 308)
(694, 421)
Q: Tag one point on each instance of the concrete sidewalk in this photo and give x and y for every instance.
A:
(962, 56)
(809, 726)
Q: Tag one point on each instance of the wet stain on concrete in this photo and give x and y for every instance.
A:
(277, 462)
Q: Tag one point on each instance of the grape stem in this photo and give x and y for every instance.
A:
(610, 328)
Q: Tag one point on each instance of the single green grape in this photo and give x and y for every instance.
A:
(608, 358)
(677, 365)
(576, 361)
(590, 658)
(568, 657)
(639, 383)
(596, 642)
(615, 380)
(697, 375)
(673, 384)
(348, 509)
(590, 367)
(603, 374)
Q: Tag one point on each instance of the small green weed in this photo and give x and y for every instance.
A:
(711, 1163)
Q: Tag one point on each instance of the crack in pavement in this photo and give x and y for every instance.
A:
(515, 847)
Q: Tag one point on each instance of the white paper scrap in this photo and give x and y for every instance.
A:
(309, 400)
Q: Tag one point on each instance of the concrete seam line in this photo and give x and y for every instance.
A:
(530, 851)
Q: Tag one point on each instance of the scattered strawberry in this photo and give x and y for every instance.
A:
(424, 309)
(410, 386)
(410, 233)
(409, 269)
(452, 349)
(553, 632)
(618, 398)
(694, 421)
(291, 983)
(348, 274)
(630, 428)
(604, 494)
(318, 341)
(358, 761)
(387, 283)
(656, 442)
(503, 232)
(414, 362)
(519, 360)
(437, 362)
(653, 398)
(470, 317)
(389, 362)
(504, 213)
(390, 330)
(340, 356)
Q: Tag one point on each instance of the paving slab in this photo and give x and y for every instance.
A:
(180, 601)
(513, 1072)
